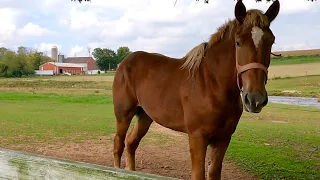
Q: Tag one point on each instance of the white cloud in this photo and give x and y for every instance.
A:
(47, 47)
(7, 25)
(150, 25)
(34, 30)
(78, 51)
(11, 35)
(298, 6)
(146, 25)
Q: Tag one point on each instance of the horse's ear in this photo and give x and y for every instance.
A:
(273, 11)
(240, 11)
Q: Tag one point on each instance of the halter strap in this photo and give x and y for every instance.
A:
(241, 69)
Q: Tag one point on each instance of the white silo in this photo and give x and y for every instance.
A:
(54, 53)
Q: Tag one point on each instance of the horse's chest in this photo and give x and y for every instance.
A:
(226, 122)
(215, 121)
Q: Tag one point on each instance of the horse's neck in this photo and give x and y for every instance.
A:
(220, 64)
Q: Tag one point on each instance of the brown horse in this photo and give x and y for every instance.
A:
(199, 94)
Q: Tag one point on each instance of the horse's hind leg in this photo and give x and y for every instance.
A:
(139, 130)
(123, 117)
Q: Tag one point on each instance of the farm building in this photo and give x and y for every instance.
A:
(62, 68)
(88, 61)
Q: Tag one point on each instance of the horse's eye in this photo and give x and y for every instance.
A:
(238, 44)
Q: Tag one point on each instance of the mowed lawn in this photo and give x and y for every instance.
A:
(280, 143)
(30, 118)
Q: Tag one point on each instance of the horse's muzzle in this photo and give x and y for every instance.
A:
(254, 101)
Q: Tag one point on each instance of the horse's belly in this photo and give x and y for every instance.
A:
(165, 113)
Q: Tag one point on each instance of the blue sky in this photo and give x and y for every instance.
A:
(149, 25)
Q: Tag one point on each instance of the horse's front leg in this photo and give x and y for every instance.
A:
(198, 147)
(218, 149)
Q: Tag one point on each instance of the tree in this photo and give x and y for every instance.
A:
(22, 50)
(3, 50)
(20, 63)
(122, 52)
(15, 65)
(36, 59)
(105, 58)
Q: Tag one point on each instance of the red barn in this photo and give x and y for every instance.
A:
(60, 68)
(89, 61)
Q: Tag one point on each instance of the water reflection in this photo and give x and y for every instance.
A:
(298, 101)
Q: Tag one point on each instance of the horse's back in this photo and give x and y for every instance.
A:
(140, 64)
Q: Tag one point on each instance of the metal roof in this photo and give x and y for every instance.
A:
(68, 64)
(77, 59)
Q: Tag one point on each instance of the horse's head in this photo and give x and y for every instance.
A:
(253, 41)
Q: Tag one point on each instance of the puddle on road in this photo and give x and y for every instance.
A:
(20, 165)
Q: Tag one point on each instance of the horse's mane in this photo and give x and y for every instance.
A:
(193, 58)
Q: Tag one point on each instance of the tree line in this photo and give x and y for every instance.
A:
(22, 62)
(25, 61)
(107, 59)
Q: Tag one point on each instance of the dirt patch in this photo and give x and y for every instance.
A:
(164, 159)
(294, 70)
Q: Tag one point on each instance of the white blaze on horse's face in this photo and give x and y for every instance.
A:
(257, 34)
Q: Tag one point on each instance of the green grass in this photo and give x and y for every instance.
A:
(287, 148)
(275, 61)
(103, 74)
(307, 85)
(29, 118)
(36, 83)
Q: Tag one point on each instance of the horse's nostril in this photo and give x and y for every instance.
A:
(265, 102)
(246, 100)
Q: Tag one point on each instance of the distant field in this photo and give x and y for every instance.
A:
(294, 70)
(299, 52)
(304, 86)
(275, 61)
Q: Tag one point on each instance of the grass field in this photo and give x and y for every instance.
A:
(32, 118)
(308, 86)
(307, 59)
(280, 143)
